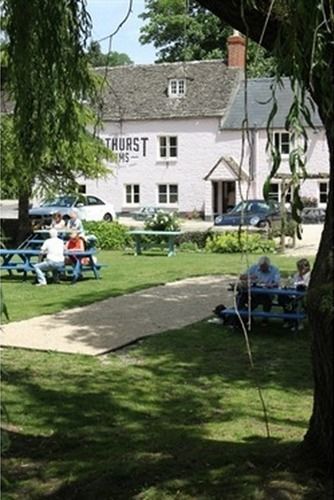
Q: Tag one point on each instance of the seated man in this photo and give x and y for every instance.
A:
(75, 223)
(263, 274)
(53, 250)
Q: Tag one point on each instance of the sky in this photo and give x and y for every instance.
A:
(106, 16)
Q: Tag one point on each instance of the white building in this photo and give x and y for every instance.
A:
(176, 129)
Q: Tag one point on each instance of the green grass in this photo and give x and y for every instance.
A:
(123, 274)
(176, 417)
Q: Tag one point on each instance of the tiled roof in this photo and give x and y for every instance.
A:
(260, 103)
(141, 92)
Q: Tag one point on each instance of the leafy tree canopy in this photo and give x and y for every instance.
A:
(97, 58)
(184, 32)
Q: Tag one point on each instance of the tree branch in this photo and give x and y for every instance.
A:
(249, 22)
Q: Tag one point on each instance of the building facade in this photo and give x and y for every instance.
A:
(181, 143)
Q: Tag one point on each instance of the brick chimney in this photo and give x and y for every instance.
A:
(236, 50)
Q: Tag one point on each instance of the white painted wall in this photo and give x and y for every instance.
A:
(200, 146)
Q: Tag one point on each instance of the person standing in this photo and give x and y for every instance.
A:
(53, 251)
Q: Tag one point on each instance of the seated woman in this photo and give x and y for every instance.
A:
(75, 243)
(300, 281)
(57, 221)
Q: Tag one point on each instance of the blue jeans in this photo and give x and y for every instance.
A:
(47, 265)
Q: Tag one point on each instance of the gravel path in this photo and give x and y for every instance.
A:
(113, 323)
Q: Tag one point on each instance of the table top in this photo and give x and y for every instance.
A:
(148, 231)
(26, 251)
(277, 291)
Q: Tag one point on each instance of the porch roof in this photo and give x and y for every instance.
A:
(226, 168)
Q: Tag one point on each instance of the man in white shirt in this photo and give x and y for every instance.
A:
(75, 223)
(53, 250)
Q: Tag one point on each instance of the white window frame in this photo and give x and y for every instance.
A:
(280, 143)
(321, 192)
(168, 194)
(132, 194)
(177, 87)
(167, 147)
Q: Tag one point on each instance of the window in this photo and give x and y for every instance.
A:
(132, 194)
(282, 142)
(168, 147)
(82, 188)
(93, 200)
(168, 193)
(274, 191)
(323, 192)
(177, 88)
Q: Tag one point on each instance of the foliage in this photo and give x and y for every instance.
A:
(233, 242)
(197, 238)
(290, 227)
(48, 75)
(163, 221)
(186, 32)
(309, 202)
(110, 236)
(9, 180)
(97, 58)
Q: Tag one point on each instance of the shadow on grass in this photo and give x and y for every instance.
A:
(174, 417)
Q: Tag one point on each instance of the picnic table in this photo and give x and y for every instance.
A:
(140, 233)
(28, 257)
(297, 315)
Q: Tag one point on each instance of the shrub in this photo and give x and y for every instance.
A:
(163, 221)
(289, 229)
(309, 202)
(110, 236)
(197, 238)
(189, 246)
(232, 243)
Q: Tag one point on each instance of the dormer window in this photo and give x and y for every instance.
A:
(177, 87)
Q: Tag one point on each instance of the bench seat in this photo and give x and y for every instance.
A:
(265, 315)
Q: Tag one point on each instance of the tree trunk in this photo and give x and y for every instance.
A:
(319, 436)
(250, 20)
(24, 226)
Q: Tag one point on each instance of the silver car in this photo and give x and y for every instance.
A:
(88, 207)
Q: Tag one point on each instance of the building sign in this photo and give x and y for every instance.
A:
(127, 147)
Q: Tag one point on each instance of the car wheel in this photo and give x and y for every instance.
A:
(264, 224)
(107, 217)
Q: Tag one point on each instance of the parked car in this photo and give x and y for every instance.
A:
(256, 213)
(313, 215)
(145, 213)
(88, 207)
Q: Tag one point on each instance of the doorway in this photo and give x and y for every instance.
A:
(223, 196)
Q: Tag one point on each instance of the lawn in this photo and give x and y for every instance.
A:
(124, 274)
(175, 417)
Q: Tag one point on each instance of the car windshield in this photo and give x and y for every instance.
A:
(60, 201)
(257, 206)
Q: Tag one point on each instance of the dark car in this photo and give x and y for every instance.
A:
(257, 213)
(313, 215)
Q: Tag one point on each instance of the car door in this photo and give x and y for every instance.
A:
(95, 208)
